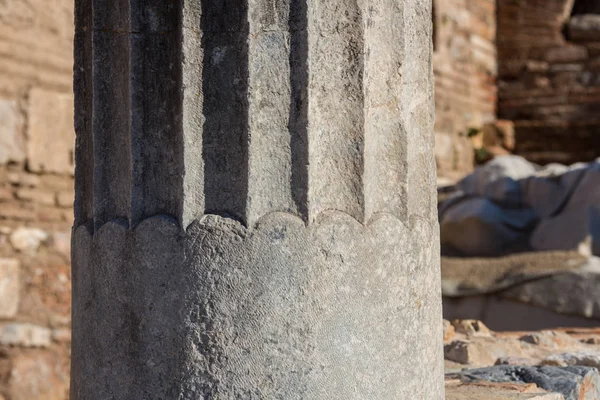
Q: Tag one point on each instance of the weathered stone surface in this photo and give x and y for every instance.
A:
(12, 143)
(478, 227)
(470, 276)
(26, 335)
(499, 134)
(497, 179)
(571, 293)
(549, 339)
(50, 136)
(37, 375)
(584, 28)
(65, 199)
(515, 360)
(482, 351)
(471, 327)
(238, 295)
(9, 287)
(570, 54)
(27, 240)
(255, 204)
(510, 205)
(574, 383)
(61, 335)
(61, 241)
(583, 358)
(448, 331)
(37, 196)
(559, 347)
(24, 179)
(456, 390)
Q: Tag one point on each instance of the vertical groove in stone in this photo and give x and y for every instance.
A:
(111, 111)
(156, 109)
(269, 126)
(83, 84)
(386, 137)
(418, 109)
(298, 124)
(192, 122)
(224, 25)
(336, 108)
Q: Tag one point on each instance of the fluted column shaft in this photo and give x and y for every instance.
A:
(255, 210)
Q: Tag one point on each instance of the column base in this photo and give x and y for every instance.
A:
(336, 310)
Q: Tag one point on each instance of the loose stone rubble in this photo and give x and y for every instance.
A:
(550, 364)
(511, 205)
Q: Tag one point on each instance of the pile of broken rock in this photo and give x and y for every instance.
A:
(520, 245)
(559, 364)
(511, 205)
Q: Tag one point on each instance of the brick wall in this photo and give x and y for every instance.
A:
(36, 191)
(549, 79)
(465, 71)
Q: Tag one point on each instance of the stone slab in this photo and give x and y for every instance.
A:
(574, 383)
(12, 143)
(472, 276)
(50, 134)
(25, 335)
(456, 390)
(9, 287)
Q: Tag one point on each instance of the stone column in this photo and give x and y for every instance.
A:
(255, 207)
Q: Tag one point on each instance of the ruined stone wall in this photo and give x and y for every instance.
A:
(549, 78)
(465, 69)
(36, 191)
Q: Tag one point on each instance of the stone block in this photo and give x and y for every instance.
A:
(53, 214)
(583, 358)
(27, 240)
(593, 48)
(12, 144)
(471, 327)
(9, 287)
(25, 335)
(61, 241)
(482, 351)
(51, 138)
(23, 179)
(61, 335)
(584, 28)
(65, 199)
(574, 293)
(537, 66)
(566, 54)
(17, 212)
(448, 331)
(5, 194)
(456, 390)
(574, 383)
(499, 133)
(38, 375)
(36, 196)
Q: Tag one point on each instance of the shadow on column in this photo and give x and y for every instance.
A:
(224, 25)
(298, 125)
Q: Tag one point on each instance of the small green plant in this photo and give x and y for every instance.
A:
(482, 155)
(473, 132)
